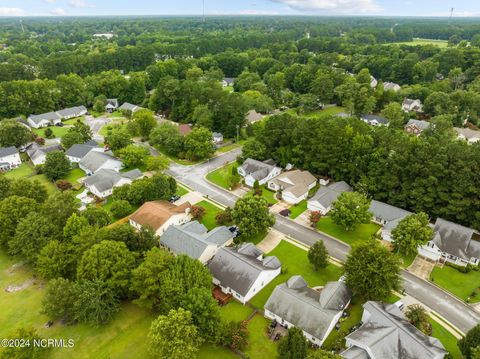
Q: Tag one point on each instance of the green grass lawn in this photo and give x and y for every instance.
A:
(295, 262)
(419, 41)
(256, 238)
(259, 345)
(220, 175)
(446, 338)
(408, 259)
(267, 194)
(211, 351)
(235, 312)
(330, 111)
(51, 188)
(230, 147)
(361, 234)
(298, 209)
(120, 122)
(181, 191)
(208, 219)
(24, 170)
(57, 131)
(458, 283)
(75, 175)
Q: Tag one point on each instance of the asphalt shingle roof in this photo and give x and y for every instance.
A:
(8, 151)
(326, 195)
(94, 160)
(455, 239)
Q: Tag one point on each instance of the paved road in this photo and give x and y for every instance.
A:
(455, 311)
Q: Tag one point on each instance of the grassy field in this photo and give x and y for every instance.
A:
(418, 41)
(446, 338)
(295, 262)
(75, 175)
(449, 279)
(259, 345)
(220, 175)
(235, 312)
(267, 194)
(181, 191)
(330, 111)
(298, 209)
(211, 211)
(256, 238)
(361, 234)
(24, 170)
(57, 131)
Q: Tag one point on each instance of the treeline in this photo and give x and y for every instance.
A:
(434, 173)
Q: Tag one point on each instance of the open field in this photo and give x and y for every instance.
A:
(449, 279)
(329, 111)
(419, 42)
(361, 234)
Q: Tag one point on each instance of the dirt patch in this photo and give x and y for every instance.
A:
(17, 288)
(14, 267)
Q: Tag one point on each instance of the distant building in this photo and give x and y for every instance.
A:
(9, 158)
(106, 35)
(253, 116)
(111, 105)
(54, 118)
(102, 183)
(410, 105)
(128, 107)
(416, 127)
(391, 86)
(253, 170)
(228, 81)
(38, 154)
(467, 134)
(217, 138)
(72, 112)
(374, 120)
(326, 195)
(373, 82)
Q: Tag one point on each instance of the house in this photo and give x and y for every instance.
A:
(253, 116)
(453, 243)
(385, 333)
(111, 105)
(158, 215)
(228, 81)
(416, 127)
(294, 185)
(107, 35)
(44, 120)
(23, 122)
(94, 161)
(102, 182)
(128, 107)
(326, 195)
(243, 271)
(217, 138)
(9, 158)
(391, 86)
(324, 180)
(38, 154)
(388, 216)
(373, 82)
(194, 240)
(374, 120)
(72, 112)
(184, 129)
(253, 170)
(294, 304)
(78, 151)
(467, 134)
(409, 105)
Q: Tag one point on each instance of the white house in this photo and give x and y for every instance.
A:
(129, 107)
(467, 134)
(326, 195)
(373, 82)
(102, 183)
(111, 105)
(315, 312)
(253, 116)
(388, 216)
(253, 170)
(72, 112)
(44, 120)
(78, 151)
(217, 138)
(194, 240)
(453, 243)
(38, 154)
(94, 161)
(385, 333)
(294, 185)
(243, 271)
(374, 120)
(416, 127)
(159, 215)
(410, 105)
(9, 158)
(228, 81)
(391, 86)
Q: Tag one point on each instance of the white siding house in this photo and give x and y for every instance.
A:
(325, 196)
(253, 170)
(9, 158)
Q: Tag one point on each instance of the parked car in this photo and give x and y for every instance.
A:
(60, 124)
(285, 212)
(235, 231)
(174, 198)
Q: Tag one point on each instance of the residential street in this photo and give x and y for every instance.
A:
(455, 311)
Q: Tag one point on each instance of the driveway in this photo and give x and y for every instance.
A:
(96, 124)
(272, 239)
(421, 267)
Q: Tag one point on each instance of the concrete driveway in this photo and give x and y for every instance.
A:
(421, 267)
(96, 124)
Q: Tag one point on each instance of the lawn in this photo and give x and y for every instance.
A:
(446, 338)
(361, 234)
(419, 41)
(259, 345)
(117, 123)
(210, 351)
(181, 191)
(24, 170)
(256, 238)
(235, 312)
(230, 147)
(458, 283)
(51, 188)
(267, 194)
(57, 131)
(298, 209)
(208, 219)
(407, 259)
(75, 175)
(329, 111)
(295, 262)
(220, 175)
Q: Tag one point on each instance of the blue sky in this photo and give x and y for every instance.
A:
(240, 7)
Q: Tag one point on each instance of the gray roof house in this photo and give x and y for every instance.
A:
(294, 185)
(326, 195)
(9, 158)
(126, 106)
(386, 334)
(95, 161)
(111, 105)
(79, 151)
(315, 312)
(72, 112)
(44, 119)
(453, 243)
(228, 81)
(102, 182)
(194, 240)
(467, 134)
(253, 116)
(416, 127)
(38, 153)
(374, 120)
(388, 216)
(253, 170)
(243, 271)
(217, 137)
(410, 105)
(391, 86)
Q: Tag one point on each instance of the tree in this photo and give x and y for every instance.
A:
(157, 163)
(75, 225)
(471, 341)
(99, 103)
(198, 212)
(109, 262)
(56, 260)
(71, 138)
(25, 352)
(59, 299)
(411, 232)
(144, 122)
(56, 165)
(372, 272)
(254, 149)
(13, 133)
(202, 116)
(97, 216)
(48, 133)
(314, 218)
(350, 210)
(318, 255)
(418, 317)
(198, 144)
(234, 335)
(252, 216)
(137, 241)
(28, 188)
(95, 302)
(167, 137)
(133, 155)
(393, 112)
(224, 217)
(12, 210)
(173, 336)
(323, 354)
(118, 138)
(293, 345)
(121, 208)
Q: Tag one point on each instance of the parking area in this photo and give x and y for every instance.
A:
(422, 267)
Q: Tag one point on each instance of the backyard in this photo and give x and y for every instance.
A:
(329, 111)
(449, 278)
(57, 131)
(362, 233)
(220, 176)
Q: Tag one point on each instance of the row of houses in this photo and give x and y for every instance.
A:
(55, 118)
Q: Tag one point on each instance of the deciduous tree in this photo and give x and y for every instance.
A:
(411, 232)
(252, 216)
(293, 345)
(350, 210)
(318, 255)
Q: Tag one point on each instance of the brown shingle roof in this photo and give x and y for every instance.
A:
(156, 213)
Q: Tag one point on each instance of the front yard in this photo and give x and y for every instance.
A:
(298, 209)
(221, 175)
(211, 211)
(295, 262)
(446, 338)
(267, 194)
(464, 285)
(57, 131)
(361, 234)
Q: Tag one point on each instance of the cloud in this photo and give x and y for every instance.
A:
(333, 6)
(78, 3)
(58, 12)
(11, 11)
(50, 1)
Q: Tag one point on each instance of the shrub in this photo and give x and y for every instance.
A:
(63, 185)
(198, 212)
(121, 208)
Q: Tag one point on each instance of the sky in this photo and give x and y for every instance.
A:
(462, 8)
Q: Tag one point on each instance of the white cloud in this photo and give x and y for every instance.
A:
(333, 6)
(58, 12)
(50, 1)
(78, 3)
(11, 11)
